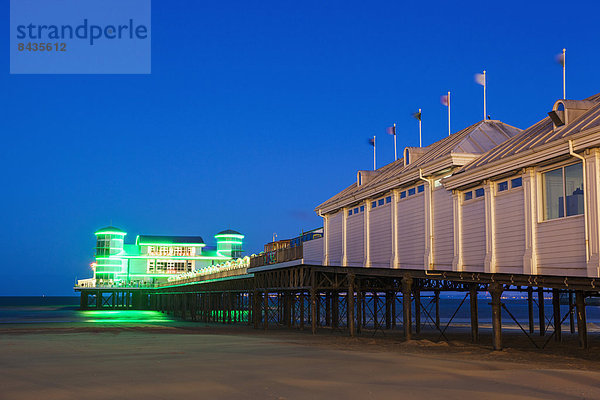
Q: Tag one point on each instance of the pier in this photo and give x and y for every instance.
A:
(295, 294)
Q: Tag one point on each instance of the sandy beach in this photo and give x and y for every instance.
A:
(238, 362)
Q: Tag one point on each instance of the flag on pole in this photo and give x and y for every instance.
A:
(391, 130)
(417, 115)
(371, 141)
(445, 99)
(480, 79)
(560, 58)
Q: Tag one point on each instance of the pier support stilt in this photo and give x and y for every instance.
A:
(571, 313)
(556, 314)
(359, 296)
(266, 310)
(541, 311)
(474, 313)
(417, 297)
(436, 297)
(581, 319)
(530, 309)
(406, 307)
(496, 293)
(350, 304)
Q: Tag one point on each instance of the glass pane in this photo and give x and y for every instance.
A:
(502, 186)
(479, 192)
(553, 194)
(468, 195)
(517, 182)
(574, 189)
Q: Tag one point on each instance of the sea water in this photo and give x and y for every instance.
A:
(63, 312)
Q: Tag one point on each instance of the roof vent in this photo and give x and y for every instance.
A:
(566, 111)
(412, 154)
(364, 177)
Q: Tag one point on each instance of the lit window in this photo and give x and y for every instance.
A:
(420, 188)
(380, 202)
(373, 204)
(468, 195)
(403, 194)
(356, 210)
(560, 184)
(502, 186)
(517, 182)
(362, 208)
(411, 191)
(479, 192)
(388, 199)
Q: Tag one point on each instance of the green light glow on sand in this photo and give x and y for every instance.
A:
(123, 317)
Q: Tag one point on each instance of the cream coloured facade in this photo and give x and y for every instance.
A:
(488, 199)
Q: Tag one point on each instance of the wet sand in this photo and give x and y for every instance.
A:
(238, 362)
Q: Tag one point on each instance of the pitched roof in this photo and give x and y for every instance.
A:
(473, 140)
(539, 134)
(151, 239)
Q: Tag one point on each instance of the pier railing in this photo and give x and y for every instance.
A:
(277, 256)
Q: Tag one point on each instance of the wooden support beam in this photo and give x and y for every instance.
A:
(302, 310)
(436, 296)
(556, 314)
(406, 307)
(581, 319)
(388, 310)
(541, 311)
(571, 312)
(394, 315)
(350, 303)
(495, 290)
(266, 310)
(335, 309)
(530, 309)
(474, 313)
(359, 299)
(417, 297)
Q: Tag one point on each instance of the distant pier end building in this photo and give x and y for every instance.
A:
(153, 259)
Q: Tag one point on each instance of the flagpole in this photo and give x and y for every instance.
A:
(395, 147)
(564, 63)
(420, 116)
(484, 95)
(374, 154)
(449, 131)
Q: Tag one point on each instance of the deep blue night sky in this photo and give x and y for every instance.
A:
(256, 113)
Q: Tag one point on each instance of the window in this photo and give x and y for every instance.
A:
(411, 191)
(356, 210)
(373, 204)
(517, 182)
(349, 212)
(560, 184)
(479, 192)
(380, 202)
(388, 199)
(362, 208)
(420, 188)
(403, 194)
(468, 195)
(502, 186)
